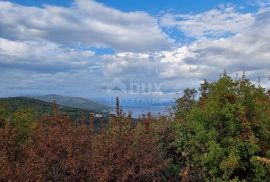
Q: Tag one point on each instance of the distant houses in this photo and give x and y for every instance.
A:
(98, 115)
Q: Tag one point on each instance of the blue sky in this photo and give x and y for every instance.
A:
(146, 48)
(150, 6)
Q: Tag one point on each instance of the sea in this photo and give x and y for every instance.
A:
(140, 108)
(138, 111)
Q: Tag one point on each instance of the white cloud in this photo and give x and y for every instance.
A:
(263, 3)
(86, 22)
(42, 56)
(205, 58)
(35, 49)
(216, 22)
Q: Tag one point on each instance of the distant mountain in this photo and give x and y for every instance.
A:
(39, 107)
(75, 102)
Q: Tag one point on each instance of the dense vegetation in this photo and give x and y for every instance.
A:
(219, 134)
(39, 108)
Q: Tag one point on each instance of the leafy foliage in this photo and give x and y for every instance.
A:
(225, 130)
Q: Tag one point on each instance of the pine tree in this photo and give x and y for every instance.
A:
(117, 107)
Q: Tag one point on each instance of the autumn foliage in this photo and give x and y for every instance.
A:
(60, 150)
(223, 134)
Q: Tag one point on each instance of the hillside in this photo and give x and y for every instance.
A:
(39, 107)
(75, 102)
(218, 132)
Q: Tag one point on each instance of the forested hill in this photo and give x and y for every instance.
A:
(13, 104)
(75, 102)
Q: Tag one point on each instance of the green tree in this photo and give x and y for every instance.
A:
(185, 103)
(22, 120)
(225, 130)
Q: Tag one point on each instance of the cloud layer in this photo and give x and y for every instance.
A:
(47, 50)
(214, 23)
(86, 22)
